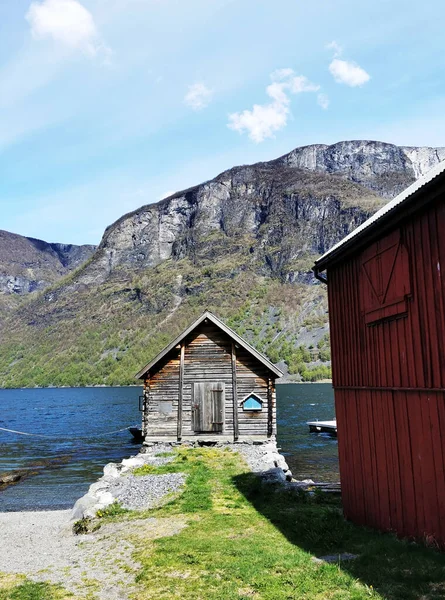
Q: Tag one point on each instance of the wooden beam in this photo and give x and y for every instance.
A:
(145, 405)
(181, 391)
(234, 394)
(270, 383)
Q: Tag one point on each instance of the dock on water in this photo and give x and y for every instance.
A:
(323, 427)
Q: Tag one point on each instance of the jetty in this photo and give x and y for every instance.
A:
(323, 427)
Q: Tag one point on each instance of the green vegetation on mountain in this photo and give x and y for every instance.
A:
(103, 336)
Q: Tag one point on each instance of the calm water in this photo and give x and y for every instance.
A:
(68, 462)
(310, 456)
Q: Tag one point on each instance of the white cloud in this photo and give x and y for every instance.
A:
(264, 120)
(335, 47)
(281, 74)
(67, 22)
(261, 122)
(198, 96)
(302, 84)
(323, 101)
(277, 91)
(348, 72)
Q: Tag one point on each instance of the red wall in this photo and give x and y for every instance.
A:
(388, 351)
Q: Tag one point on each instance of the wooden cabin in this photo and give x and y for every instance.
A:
(387, 312)
(209, 384)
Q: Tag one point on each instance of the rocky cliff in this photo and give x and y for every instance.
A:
(289, 208)
(241, 245)
(280, 214)
(27, 264)
(383, 168)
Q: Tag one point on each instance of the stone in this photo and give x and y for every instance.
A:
(112, 470)
(105, 499)
(281, 462)
(10, 478)
(334, 558)
(99, 486)
(132, 463)
(275, 475)
(82, 506)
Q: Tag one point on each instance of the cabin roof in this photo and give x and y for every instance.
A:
(235, 337)
(372, 227)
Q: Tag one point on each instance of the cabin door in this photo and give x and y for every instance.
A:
(208, 406)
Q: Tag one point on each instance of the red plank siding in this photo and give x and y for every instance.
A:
(389, 378)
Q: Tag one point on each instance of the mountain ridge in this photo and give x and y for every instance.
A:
(241, 244)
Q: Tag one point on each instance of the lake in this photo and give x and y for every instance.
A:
(75, 454)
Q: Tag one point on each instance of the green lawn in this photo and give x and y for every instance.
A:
(14, 587)
(248, 540)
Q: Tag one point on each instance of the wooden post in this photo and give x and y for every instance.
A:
(269, 407)
(235, 395)
(146, 394)
(181, 391)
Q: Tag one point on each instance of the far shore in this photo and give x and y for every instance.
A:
(102, 385)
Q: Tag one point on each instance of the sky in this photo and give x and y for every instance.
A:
(107, 105)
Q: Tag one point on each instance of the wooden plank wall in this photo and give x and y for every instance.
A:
(208, 358)
(163, 386)
(252, 376)
(389, 380)
(391, 452)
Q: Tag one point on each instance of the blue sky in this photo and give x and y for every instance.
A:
(106, 105)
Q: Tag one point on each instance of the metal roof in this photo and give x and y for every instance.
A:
(235, 337)
(380, 214)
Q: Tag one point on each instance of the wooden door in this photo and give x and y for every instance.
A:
(208, 406)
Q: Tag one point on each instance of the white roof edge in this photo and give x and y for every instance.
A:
(399, 199)
(208, 315)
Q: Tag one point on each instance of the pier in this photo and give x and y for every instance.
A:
(323, 427)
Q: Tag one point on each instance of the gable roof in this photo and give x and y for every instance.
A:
(374, 223)
(235, 337)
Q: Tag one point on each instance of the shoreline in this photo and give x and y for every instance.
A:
(100, 385)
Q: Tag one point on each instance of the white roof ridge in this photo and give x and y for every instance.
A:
(399, 199)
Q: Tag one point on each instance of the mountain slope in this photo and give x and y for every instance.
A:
(241, 245)
(27, 264)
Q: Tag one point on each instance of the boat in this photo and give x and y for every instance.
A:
(136, 432)
(323, 426)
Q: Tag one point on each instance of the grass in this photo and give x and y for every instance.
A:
(246, 539)
(16, 587)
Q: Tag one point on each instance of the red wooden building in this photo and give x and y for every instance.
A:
(387, 311)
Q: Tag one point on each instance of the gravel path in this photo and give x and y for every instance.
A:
(34, 540)
(42, 546)
(145, 491)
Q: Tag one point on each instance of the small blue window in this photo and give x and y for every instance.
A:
(252, 402)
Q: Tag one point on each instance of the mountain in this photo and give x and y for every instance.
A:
(27, 264)
(241, 244)
(383, 168)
